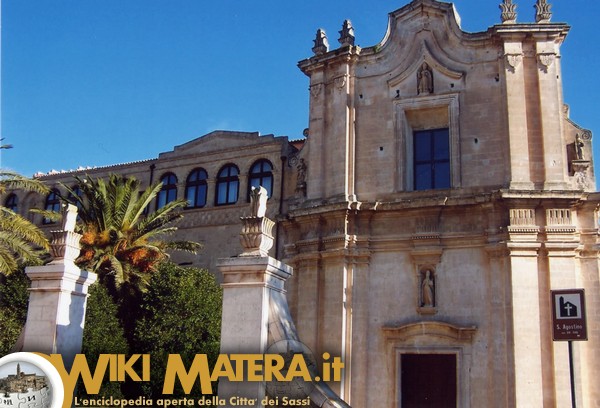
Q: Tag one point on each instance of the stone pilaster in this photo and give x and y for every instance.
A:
(524, 246)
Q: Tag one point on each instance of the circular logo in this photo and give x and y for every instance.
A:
(29, 380)
(292, 352)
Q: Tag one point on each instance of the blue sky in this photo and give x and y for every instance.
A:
(98, 82)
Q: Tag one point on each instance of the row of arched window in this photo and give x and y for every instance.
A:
(196, 187)
(227, 188)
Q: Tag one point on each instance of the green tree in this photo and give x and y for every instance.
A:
(123, 242)
(181, 314)
(21, 242)
(101, 319)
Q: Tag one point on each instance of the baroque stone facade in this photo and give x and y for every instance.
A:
(441, 193)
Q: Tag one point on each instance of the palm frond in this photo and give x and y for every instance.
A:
(13, 181)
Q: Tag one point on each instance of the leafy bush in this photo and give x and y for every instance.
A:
(13, 308)
(180, 314)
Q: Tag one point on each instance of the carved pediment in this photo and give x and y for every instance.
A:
(217, 141)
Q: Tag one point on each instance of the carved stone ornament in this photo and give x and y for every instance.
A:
(257, 232)
(315, 90)
(509, 13)
(65, 242)
(546, 60)
(258, 201)
(321, 43)
(586, 135)
(256, 236)
(542, 11)
(340, 81)
(513, 61)
(424, 80)
(346, 34)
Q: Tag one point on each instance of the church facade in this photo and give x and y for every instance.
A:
(441, 193)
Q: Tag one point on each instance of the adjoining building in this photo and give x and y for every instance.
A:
(441, 193)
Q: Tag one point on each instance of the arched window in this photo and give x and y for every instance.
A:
(195, 188)
(228, 184)
(261, 174)
(76, 192)
(52, 204)
(12, 202)
(168, 191)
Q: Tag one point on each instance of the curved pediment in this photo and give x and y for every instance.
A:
(417, 56)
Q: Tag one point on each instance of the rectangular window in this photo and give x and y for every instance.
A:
(431, 159)
(428, 381)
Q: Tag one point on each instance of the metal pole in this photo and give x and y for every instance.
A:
(573, 401)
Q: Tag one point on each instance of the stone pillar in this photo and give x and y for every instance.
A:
(250, 280)
(58, 296)
(248, 285)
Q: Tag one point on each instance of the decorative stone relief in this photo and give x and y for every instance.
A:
(424, 80)
(340, 81)
(513, 61)
(509, 14)
(542, 11)
(321, 43)
(346, 34)
(315, 90)
(546, 60)
(580, 170)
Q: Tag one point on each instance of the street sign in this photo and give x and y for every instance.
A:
(568, 315)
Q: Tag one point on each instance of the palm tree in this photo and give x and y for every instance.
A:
(21, 242)
(121, 241)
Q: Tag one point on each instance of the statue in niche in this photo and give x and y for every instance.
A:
(427, 289)
(579, 147)
(258, 201)
(424, 80)
(301, 178)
